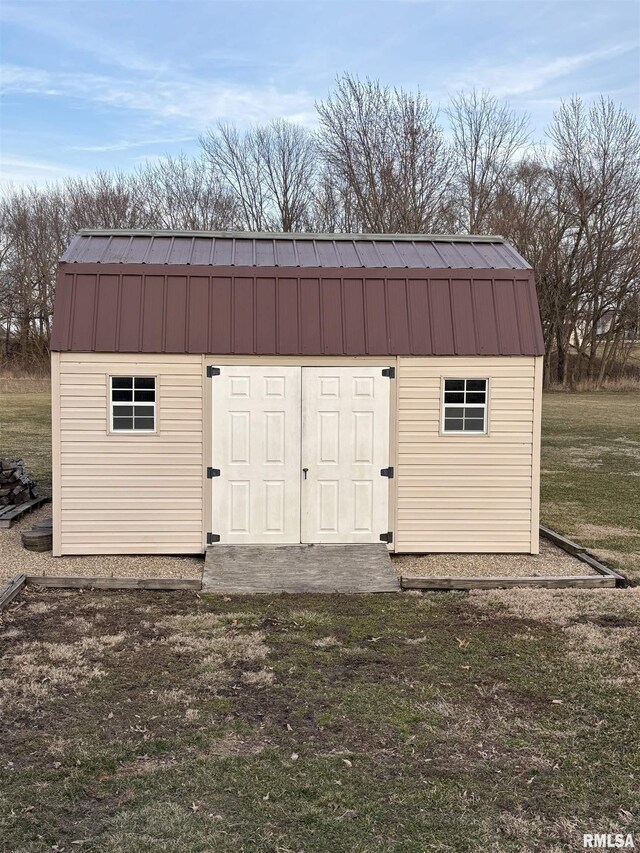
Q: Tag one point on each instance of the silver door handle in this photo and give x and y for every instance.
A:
(305, 471)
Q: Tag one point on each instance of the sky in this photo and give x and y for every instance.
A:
(89, 85)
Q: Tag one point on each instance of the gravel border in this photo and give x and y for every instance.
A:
(17, 560)
(550, 562)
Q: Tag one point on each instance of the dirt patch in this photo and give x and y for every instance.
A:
(17, 560)
(236, 745)
(145, 764)
(551, 561)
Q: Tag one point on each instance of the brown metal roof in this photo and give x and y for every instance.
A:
(215, 307)
(339, 251)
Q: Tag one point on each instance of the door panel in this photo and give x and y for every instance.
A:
(256, 446)
(345, 444)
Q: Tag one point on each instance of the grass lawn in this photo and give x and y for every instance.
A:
(502, 721)
(590, 484)
(25, 426)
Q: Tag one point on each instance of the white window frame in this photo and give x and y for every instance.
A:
(132, 431)
(444, 406)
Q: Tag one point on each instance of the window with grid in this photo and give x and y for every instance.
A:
(465, 405)
(133, 404)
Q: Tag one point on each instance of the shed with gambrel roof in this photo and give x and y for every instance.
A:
(299, 367)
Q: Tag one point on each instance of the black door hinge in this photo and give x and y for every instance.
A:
(212, 537)
(387, 472)
(213, 472)
(386, 537)
(389, 371)
(212, 371)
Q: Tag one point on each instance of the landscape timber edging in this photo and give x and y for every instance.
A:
(16, 584)
(582, 554)
(554, 582)
(13, 588)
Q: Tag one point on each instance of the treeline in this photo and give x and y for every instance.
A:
(381, 160)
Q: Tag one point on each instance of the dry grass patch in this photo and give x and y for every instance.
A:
(231, 745)
(559, 607)
(259, 678)
(326, 643)
(602, 629)
(598, 531)
(37, 670)
(626, 560)
(611, 646)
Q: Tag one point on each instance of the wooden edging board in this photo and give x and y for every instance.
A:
(562, 541)
(114, 583)
(581, 553)
(9, 592)
(600, 567)
(556, 582)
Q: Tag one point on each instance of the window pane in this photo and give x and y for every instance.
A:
(474, 425)
(144, 411)
(123, 423)
(144, 423)
(122, 382)
(472, 412)
(454, 397)
(476, 384)
(453, 424)
(453, 412)
(145, 382)
(476, 397)
(122, 411)
(454, 384)
(122, 396)
(144, 396)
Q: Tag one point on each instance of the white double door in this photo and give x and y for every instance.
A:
(299, 451)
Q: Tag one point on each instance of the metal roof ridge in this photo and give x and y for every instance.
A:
(293, 235)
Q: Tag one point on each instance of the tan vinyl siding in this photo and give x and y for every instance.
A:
(468, 493)
(128, 492)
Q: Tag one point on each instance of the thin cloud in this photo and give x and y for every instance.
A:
(23, 171)
(198, 103)
(127, 145)
(67, 32)
(522, 77)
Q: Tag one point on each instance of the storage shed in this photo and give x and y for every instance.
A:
(295, 388)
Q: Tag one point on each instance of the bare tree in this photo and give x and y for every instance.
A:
(385, 148)
(103, 200)
(183, 193)
(269, 170)
(596, 163)
(235, 159)
(487, 137)
(288, 156)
